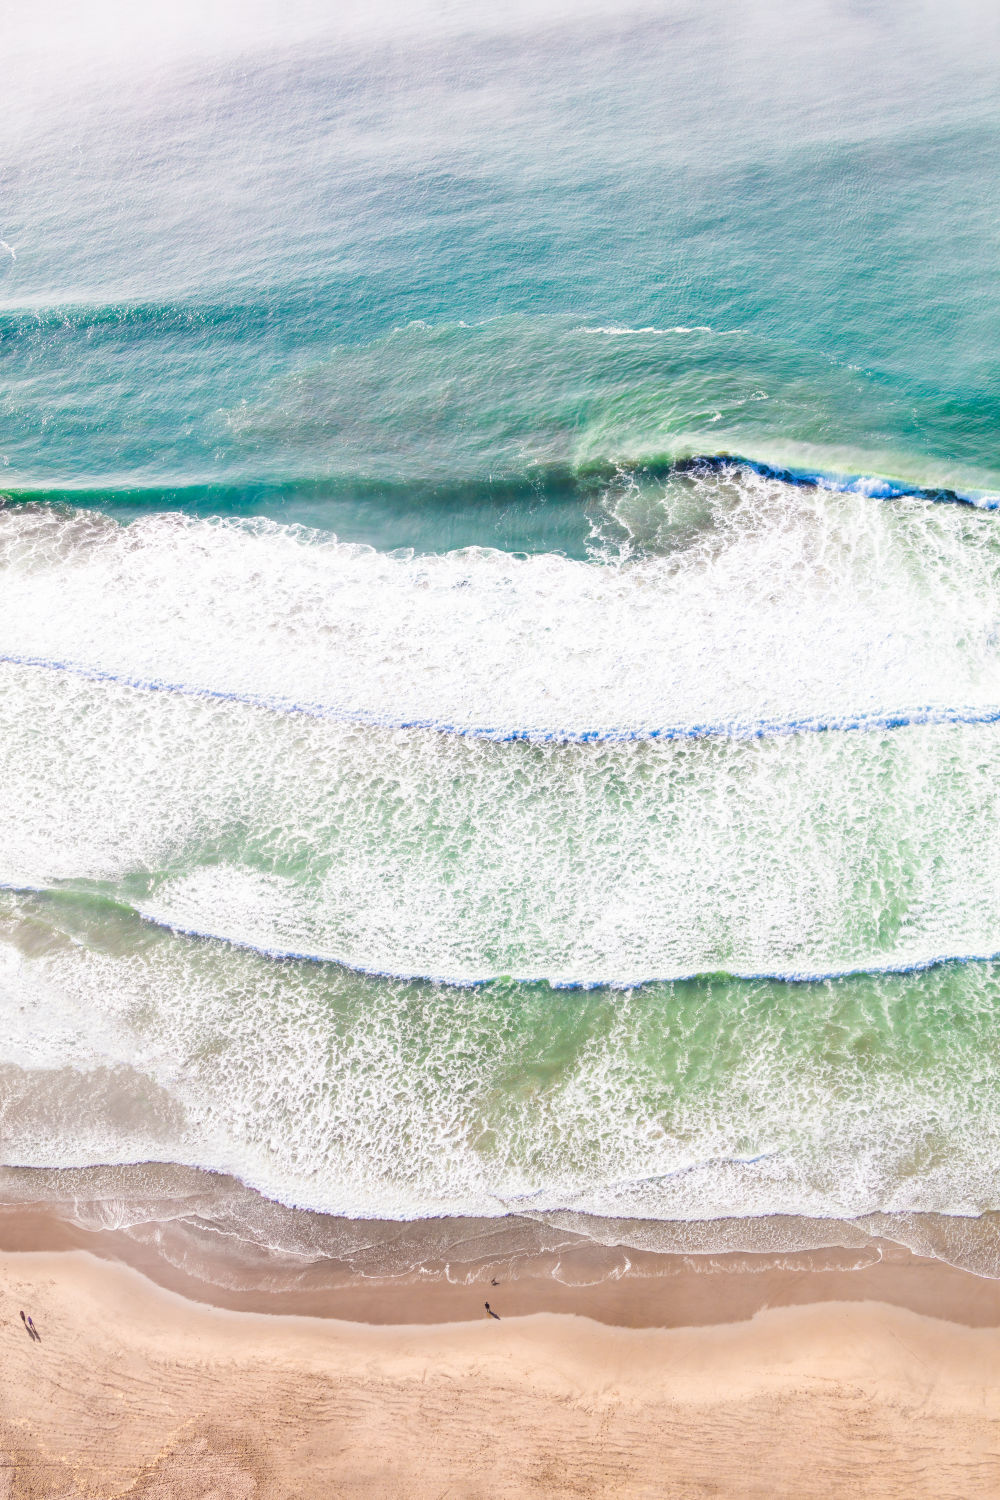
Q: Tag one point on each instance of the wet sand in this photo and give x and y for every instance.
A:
(656, 1290)
(701, 1381)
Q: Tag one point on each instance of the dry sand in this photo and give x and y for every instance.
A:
(136, 1391)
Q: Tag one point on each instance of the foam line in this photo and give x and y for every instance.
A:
(464, 982)
(783, 976)
(525, 1200)
(735, 729)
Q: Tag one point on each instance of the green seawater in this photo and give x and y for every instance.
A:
(695, 1100)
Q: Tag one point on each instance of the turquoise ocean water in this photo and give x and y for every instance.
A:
(500, 618)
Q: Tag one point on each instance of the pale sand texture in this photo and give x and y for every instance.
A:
(135, 1391)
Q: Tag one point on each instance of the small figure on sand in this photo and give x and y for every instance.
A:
(492, 1313)
(30, 1328)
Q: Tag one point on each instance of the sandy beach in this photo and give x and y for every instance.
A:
(134, 1390)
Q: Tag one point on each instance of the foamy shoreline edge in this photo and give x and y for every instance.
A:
(645, 1290)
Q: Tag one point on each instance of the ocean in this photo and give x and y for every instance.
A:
(500, 629)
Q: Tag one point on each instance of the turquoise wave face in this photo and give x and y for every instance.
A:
(511, 433)
(493, 511)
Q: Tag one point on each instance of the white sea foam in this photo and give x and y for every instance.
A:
(412, 853)
(622, 328)
(418, 853)
(379, 1099)
(775, 606)
(398, 851)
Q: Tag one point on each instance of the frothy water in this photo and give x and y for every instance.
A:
(737, 604)
(378, 1099)
(383, 850)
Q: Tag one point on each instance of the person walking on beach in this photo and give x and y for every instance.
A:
(30, 1328)
(491, 1312)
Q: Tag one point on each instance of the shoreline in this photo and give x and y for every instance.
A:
(636, 1289)
(133, 1390)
